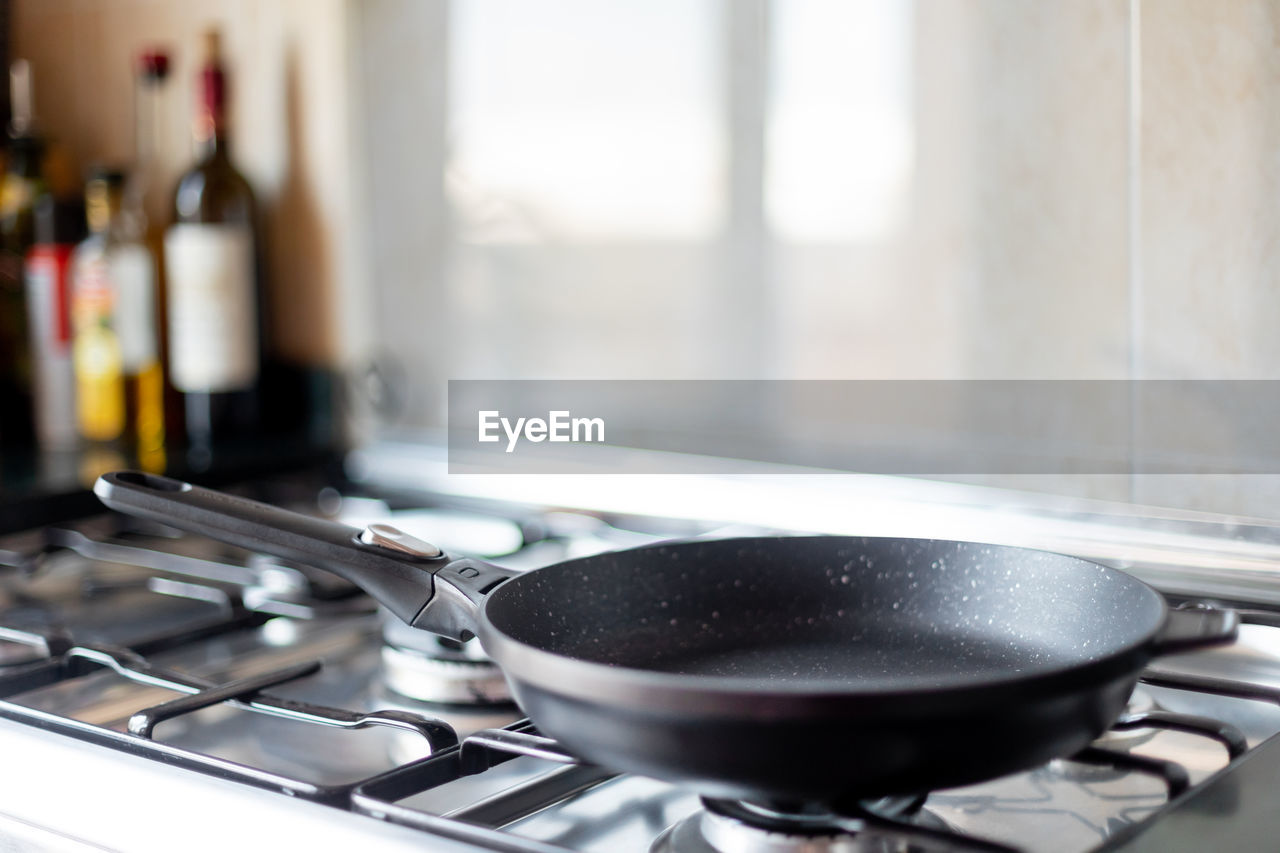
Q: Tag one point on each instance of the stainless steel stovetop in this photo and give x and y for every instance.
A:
(156, 687)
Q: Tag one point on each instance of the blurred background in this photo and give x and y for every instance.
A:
(714, 189)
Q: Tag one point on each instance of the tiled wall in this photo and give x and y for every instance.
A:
(1210, 208)
(1021, 189)
(1211, 189)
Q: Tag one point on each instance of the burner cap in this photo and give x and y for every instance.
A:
(415, 675)
(731, 826)
(706, 832)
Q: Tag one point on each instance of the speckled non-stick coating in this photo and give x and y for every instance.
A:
(848, 614)
(822, 667)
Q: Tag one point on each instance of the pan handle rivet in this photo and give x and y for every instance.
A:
(394, 539)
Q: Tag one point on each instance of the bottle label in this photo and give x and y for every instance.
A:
(49, 318)
(213, 322)
(129, 268)
(48, 296)
(96, 352)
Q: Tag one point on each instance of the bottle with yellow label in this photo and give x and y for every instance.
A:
(116, 356)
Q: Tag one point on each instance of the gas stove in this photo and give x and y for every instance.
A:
(156, 686)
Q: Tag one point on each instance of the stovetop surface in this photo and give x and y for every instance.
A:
(127, 638)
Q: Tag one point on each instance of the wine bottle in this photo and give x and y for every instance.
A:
(214, 300)
(22, 183)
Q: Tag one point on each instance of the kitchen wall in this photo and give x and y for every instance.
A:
(1210, 189)
(1018, 255)
(1093, 196)
(1062, 282)
(1209, 271)
(289, 62)
(1023, 122)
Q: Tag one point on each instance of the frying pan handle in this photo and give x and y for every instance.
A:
(416, 581)
(1195, 628)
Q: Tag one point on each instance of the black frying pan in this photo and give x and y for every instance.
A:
(779, 668)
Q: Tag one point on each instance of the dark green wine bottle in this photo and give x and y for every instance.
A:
(215, 316)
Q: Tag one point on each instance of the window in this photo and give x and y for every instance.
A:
(747, 189)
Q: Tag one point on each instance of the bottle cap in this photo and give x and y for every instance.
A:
(153, 64)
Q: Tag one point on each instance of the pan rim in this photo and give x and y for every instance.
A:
(654, 690)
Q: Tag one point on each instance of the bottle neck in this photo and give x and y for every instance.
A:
(144, 198)
(216, 144)
(211, 123)
(102, 206)
(149, 130)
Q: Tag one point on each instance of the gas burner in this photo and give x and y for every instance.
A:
(426, 668)
(450, 681)
(729, 826)
(1140, 702)
(443, 679)
(455, 681)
